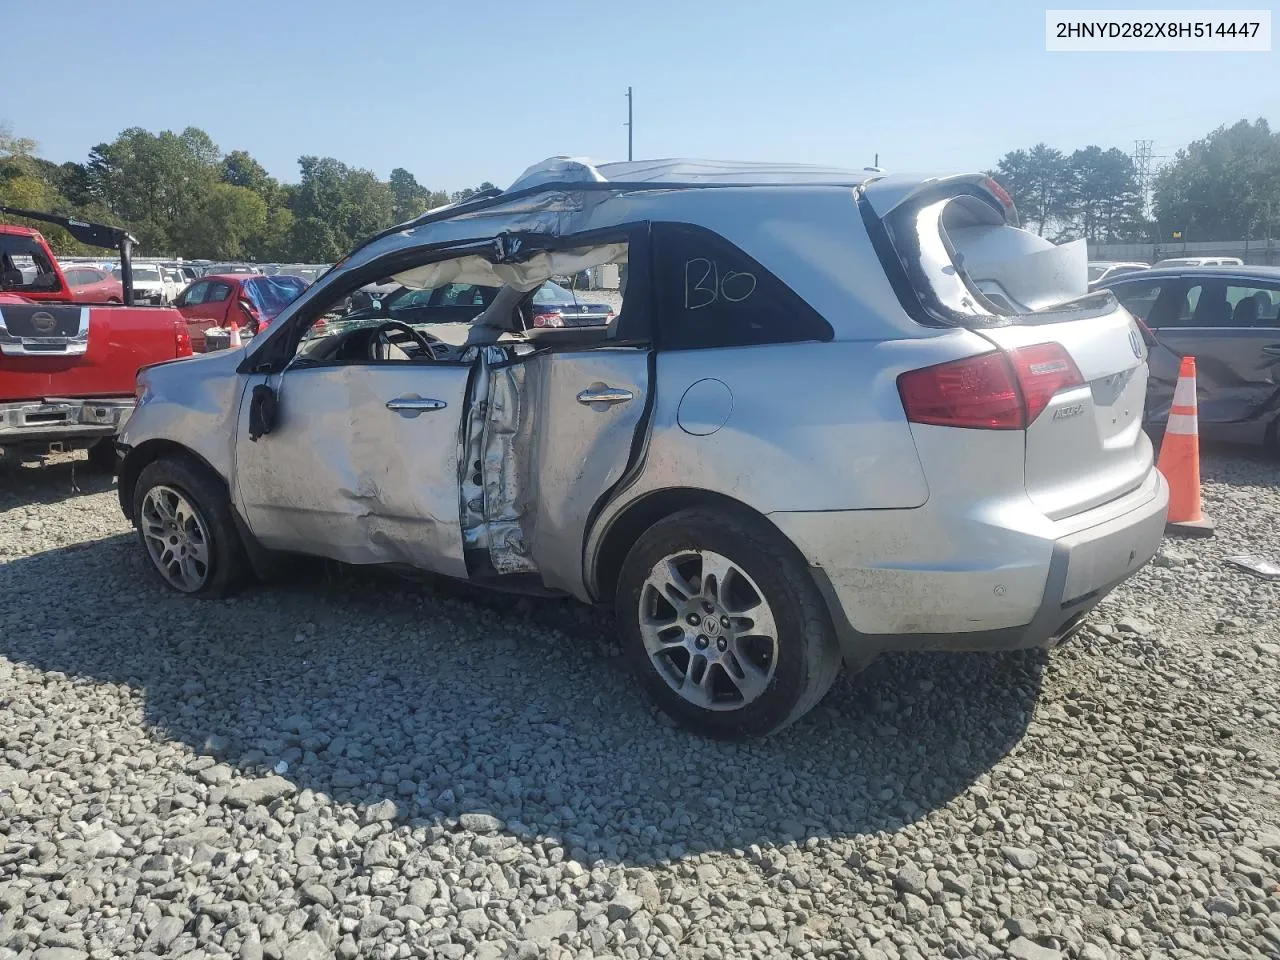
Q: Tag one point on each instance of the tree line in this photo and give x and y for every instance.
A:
(1224, 186)
(181, 196)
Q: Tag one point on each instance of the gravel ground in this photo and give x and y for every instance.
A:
(341, 766)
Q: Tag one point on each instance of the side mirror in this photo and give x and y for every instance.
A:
(262, 411)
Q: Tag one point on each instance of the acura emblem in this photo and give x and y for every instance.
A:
(43, 322)
(1135, 341)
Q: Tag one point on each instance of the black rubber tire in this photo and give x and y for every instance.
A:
(228, 562)
(102, 456)
(809, 653)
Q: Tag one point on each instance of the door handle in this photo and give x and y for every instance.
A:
(1272, 350)
(413, 405)
(603, 394)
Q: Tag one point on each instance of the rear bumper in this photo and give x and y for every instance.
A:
(998, 579)
(55, 419)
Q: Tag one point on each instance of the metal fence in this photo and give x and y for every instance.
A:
(1259, 252)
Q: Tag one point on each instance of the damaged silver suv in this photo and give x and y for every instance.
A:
(830, 414)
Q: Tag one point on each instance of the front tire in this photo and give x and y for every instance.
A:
(723, 625)
(184, 523)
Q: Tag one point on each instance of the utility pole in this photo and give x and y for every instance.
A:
(630, 124)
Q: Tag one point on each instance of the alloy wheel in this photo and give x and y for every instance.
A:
(708, 630)
(176, 538)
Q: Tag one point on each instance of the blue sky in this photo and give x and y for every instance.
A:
(463, 92)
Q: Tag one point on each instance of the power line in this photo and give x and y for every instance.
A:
(1143, 168)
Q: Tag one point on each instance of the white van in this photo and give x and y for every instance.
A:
(1201, 262)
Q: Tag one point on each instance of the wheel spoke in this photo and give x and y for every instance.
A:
(744, 674)
(717, 572)
(755, 621)
(697, 680)
(198, 551)
(191, 574)
(164, 507)
(661, 633)
(670, 582)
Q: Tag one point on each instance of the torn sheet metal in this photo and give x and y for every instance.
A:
(523, 276)
(497, 489)
(1259, 565)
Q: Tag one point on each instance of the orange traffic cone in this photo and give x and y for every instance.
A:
(1180, 458)
(235, 336)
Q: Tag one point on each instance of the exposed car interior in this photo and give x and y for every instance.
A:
(24, 266)
(443, 311)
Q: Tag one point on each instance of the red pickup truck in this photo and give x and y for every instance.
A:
(67, 368)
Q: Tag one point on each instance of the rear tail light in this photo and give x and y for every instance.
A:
(1002, 195)
(548, 320)
(974, 392)
(992, 391)
(181, 339)
(1044, 370)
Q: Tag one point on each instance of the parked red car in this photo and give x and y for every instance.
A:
(91, 285)
(251, 301)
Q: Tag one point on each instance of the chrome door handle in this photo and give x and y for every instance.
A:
(413, 405)
(608, 395)
(1272, 350)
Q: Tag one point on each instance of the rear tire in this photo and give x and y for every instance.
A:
(184, 522)
(724, 626)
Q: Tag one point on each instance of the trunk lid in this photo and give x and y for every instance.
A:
(1086, 446)
(959, 259)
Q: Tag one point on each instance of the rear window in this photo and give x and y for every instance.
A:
(1138, 298)
(24, 266)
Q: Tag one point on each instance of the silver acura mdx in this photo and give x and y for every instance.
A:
(826, 414)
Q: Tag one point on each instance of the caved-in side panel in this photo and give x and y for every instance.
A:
(509, 507)
(496, 482)
(343, 476)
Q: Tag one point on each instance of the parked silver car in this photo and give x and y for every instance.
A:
(836, 414)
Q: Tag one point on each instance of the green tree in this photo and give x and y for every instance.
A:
(155, 182)
(408, 197)
(14, 146)
(275, 242)
(28, 182)
(351, 204)
(1038, 182)
(311, 240)
(239, 169)
(1223, 187)
(1103, 202)
(225, 226)
(468, 192)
